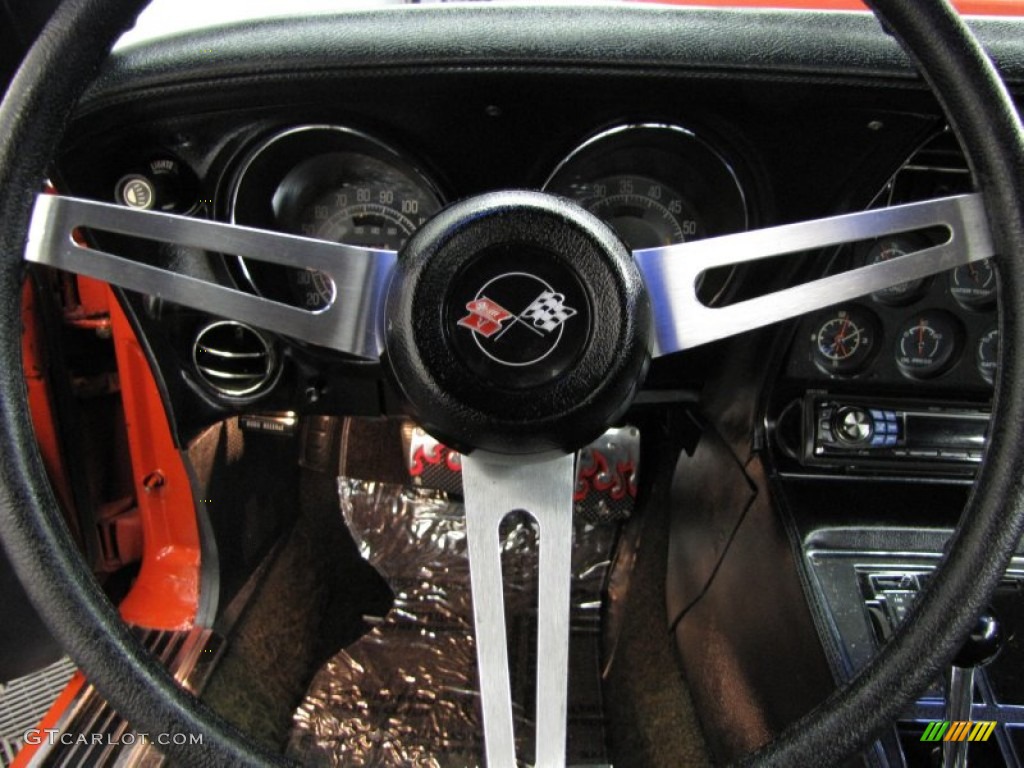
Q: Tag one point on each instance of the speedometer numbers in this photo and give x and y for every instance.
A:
(378, 224)
(328, 183)
(374, 208)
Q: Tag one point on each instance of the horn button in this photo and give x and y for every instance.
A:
(517, 317)
(517, 323)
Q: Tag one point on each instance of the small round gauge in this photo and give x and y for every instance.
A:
(333, 184)
(927, 344)
(656, 185)
(893, 247)
(988, 355)
(974, 284)
(843, 341)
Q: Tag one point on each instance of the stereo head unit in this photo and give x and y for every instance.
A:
(850, 431)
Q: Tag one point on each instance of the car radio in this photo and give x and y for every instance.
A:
(853, 431)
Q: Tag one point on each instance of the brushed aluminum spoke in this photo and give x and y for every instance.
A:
(349, 323)
(671, 272)
(493, 488)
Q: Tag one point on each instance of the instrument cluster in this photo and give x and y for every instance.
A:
(654, 184)
(938, 332)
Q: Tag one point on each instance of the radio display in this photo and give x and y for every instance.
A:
(937, 430)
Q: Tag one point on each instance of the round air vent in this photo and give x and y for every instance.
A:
(234, 360)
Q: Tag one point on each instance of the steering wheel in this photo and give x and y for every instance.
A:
(587, 315)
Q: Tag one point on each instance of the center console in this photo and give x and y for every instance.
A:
(868, 591)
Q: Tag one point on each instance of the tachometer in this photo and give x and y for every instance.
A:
(332, 184)
(655, 185)
(644, 212)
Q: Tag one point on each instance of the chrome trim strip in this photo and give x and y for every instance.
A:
(681, 321)
(184, 654)
(492, 490)
(348, 324)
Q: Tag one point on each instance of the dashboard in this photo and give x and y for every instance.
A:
(654, 184)
(867, 416)
(900, 381)
(662, 151)
(657, 176)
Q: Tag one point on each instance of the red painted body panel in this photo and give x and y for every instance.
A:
(166, 593)
(966, 7)
(37, 373)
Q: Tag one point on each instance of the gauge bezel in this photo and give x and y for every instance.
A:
(981, 302)
(337, 138)
(940, 367)
(845, 368)
(630, 137)
(988, 374)
(913, 289)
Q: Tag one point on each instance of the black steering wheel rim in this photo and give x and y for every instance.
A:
(32, 118)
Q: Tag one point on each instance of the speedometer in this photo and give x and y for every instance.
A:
(331, 184)
(655, 185)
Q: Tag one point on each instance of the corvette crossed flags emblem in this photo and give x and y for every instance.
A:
(544, 315)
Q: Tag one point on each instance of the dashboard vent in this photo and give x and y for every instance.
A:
(936, 169)
(942, 154)
(234, 360)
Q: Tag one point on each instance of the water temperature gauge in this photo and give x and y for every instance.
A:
(844, 341)
(974, 284)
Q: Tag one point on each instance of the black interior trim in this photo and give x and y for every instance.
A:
(708, 41)
(41, 548)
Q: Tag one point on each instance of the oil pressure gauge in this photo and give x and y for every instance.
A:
(844, 340)
(927, 344)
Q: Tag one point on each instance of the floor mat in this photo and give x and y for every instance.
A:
(406, 693)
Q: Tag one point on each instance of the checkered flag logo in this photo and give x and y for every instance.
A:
(548, 311)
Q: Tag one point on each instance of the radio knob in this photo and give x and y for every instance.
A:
(853, 425)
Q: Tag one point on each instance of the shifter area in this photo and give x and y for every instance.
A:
(975, 711)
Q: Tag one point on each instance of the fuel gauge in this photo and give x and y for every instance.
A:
(844, 341)
(893, 247)
(927, 344)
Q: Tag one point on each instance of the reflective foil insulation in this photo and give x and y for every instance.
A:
(406, 694)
